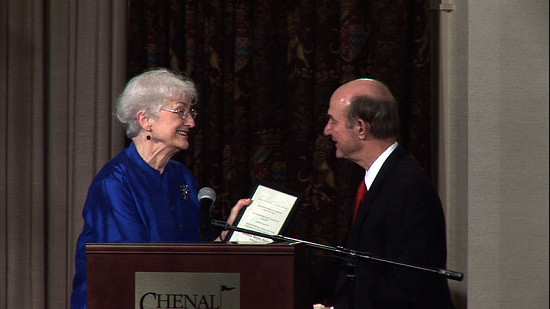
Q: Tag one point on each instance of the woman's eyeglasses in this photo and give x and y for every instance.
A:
(182, 113)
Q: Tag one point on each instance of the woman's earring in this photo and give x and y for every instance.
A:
(148, 137)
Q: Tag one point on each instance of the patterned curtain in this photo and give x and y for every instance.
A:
(266, 70)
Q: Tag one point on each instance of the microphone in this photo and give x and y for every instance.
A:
(207, 196)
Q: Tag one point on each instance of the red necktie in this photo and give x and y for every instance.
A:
(361, 191)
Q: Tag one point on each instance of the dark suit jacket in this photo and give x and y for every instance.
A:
(400, 218)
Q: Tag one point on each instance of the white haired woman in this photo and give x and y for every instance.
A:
(141, 195)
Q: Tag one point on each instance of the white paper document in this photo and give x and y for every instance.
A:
(267, 213)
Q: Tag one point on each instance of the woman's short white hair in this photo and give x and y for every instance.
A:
(149, 92)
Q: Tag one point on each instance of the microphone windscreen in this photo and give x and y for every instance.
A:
(208, 193)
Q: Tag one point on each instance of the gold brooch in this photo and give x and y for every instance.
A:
(184, 191)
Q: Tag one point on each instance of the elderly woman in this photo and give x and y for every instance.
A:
(141, 195)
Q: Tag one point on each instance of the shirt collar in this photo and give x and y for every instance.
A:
(371, 173)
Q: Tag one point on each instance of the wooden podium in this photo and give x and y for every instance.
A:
(269, 276)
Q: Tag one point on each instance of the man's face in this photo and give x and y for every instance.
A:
(346, 139)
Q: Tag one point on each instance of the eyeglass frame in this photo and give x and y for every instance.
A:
(183, 113)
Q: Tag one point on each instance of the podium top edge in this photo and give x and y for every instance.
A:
(188, 248)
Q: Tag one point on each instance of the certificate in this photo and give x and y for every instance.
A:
(267, 213)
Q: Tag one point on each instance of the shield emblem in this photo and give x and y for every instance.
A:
(242, 45)
(352, 33)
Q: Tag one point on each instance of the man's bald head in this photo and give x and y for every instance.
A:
(371, 101)
(364, 86)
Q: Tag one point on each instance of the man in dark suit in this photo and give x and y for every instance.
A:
(400, 218)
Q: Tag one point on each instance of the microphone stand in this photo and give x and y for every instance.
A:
(353, 254)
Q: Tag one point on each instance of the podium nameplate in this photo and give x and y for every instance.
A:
(187, 290)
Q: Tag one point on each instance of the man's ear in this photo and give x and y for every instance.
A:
(363, 129)
(143, 120)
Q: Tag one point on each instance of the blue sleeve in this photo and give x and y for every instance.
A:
(111, 214)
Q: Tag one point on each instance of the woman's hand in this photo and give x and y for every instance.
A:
(233, 215)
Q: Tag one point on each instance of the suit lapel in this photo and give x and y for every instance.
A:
(374, 190)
